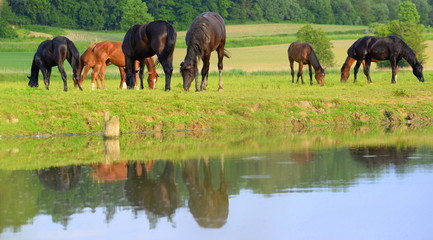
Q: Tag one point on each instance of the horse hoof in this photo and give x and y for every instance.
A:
(220, 90)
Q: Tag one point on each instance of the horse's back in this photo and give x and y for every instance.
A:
(207, 31)
(299, 51)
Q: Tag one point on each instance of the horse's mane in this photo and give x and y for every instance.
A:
(408, 53)
(313, 59)
(197, 35)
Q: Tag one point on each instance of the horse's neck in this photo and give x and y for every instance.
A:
(410, 57)
(35, 69)
(314, 61)
(191, 56)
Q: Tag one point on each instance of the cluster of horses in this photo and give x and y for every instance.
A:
(206, 34)
(364, 51)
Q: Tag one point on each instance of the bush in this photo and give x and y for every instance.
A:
(320, 43)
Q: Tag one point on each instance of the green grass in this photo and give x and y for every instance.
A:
(250, 101)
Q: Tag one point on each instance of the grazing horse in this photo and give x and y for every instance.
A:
(53, 53)
(143, 41)
(392, 48)
(106, 53)
(206, 34)
(303, 53)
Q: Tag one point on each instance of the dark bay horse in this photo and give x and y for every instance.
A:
(52, 53)
(370, 49)
(143, 41)
(206, 34)
(303, 53)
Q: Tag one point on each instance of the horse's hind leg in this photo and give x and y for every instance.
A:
(82, 77)
(63, 74)
(394, 70)
(102, 75)
(220, 68)
(167, 65)
(300, 72)
(310, 73)
(204, 72)
(122, 78)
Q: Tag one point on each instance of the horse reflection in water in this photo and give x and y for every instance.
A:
(61, 179)
(377, 156)
(158, 197)
(209, 206)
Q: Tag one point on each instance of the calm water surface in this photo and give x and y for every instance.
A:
(325, 185)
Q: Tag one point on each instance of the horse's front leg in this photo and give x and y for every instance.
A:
(310, 73)
(130, 72)
(63, 74)
(292, 72)
(122, 78)
(393, 62)
(367, 69)
(355, 69)
(45, 74)
(204, 72)
(141, 74)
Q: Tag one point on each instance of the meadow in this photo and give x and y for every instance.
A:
(258, 91)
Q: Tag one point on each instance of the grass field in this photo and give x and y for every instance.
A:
(258, 92)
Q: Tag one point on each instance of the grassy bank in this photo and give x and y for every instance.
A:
(250, 101)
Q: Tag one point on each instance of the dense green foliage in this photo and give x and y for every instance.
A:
(108, 14)
(320, 43)
(406, 27)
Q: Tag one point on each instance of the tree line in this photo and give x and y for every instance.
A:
(121, 14)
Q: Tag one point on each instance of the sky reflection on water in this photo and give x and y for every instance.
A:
(356, 192)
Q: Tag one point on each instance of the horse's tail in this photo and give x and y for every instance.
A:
(170, 43)
(226, 53)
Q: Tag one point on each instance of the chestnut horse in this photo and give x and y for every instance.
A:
(303, 53)
(384, 48)
(52, 53)
(105, 53)
(143, 41)
(207, 33)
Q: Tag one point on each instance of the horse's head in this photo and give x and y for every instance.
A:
(189, 72)
(152, 79)
(320, 76)
(33, 82)
(417, 71)
(344, 75)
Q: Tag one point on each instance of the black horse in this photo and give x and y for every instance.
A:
(206, 34)
(142, 41)
(383, 48)
(52, 53)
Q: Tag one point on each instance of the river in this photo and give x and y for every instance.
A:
(318, 184)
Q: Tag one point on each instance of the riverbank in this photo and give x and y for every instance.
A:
(250, 101)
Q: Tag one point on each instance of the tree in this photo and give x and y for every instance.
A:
(407, 28)
(320, 43)
(134, 12)
(407, 12)
(6, 31)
